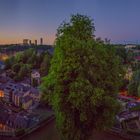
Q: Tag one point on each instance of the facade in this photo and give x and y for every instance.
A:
(8, 93)
(20, 95)
(26, 97)
(35, 78)
(29, 42)
(16, 99)
(17, 96)
(9, 89)
(3, 80)
(26, 102)
(20, 120)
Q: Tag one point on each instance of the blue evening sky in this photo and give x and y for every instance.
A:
(118, 20)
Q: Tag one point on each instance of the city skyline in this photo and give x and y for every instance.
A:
(115, 20)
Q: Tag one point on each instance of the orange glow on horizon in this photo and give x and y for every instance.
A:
(18, 40)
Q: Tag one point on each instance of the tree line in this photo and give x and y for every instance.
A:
(22, 63)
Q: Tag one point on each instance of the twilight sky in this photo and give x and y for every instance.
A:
(118, 20)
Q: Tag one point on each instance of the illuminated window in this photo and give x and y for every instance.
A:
(1, 94)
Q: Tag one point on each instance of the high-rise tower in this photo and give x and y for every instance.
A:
(30, 42)
(41, 41)
(35, 42)
(25, 42)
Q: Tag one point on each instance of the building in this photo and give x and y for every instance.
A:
(21, 95)
(21, 122)
(41, 41)
(25, 41)
(35, 94)
(26, 102)
(18, 95)
(1, 91)
(130, 46)
(35, 78)
(9, 89)
(26, 99)
(136, 52)
(129, 74)
(35, 42)
(30, 42)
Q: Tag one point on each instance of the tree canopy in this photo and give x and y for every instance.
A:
(134, 85)
(23, 62)
(83, 80)
(45, 65)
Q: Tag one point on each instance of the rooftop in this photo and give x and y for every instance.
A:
(26, 99)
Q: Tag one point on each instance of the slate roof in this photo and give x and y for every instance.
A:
(21, 122)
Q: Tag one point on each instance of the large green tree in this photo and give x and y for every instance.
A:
(83, 81)
(122, 53)
(16, 67)
(45, 65)
(24, 71)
